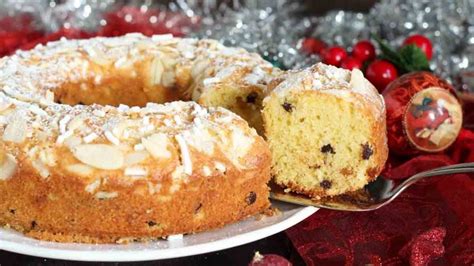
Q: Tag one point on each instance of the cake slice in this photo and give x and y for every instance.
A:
(326, 130)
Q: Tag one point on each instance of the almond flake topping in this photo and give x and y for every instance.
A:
(8, 167)
(100, 156)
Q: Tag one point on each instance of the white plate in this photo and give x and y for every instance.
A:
(230, 236)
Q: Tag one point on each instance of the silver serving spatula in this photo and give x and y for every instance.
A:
(376, 194)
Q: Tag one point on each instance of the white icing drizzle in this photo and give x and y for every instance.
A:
(331, 80)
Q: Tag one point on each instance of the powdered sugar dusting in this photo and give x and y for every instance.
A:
(28, 81)
(332, 80)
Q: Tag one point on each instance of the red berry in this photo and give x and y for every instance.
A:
(381, 73)
(312, 45)
(363, 50)
(269, 259)
(333, 55)
(351, 63)
(422, 42)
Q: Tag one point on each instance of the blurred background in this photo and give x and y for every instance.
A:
(289, 34)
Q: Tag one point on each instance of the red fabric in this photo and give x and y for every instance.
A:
(432, 222)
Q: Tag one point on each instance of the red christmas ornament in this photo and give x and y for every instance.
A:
(381, 73)
(351, 63)
(422, 42)
(333, 55)
(364, 51)
(312, 45)
(423, 114)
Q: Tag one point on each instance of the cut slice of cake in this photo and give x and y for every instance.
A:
(326, 130)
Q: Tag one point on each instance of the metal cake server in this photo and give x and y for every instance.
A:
(376, 194)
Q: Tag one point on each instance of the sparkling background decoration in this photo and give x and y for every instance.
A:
(273, 29)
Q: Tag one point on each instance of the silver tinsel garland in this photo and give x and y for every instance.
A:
(274, 28)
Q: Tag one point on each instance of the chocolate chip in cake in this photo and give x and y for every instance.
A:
(151, 223)
(33, 224)
(252, 97)
(326, 184)
(251, 198)
(366, 151)
(315, 166)
(288, 107)
(12, 211)
(327, 149)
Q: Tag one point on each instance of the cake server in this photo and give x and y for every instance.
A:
(374, 195)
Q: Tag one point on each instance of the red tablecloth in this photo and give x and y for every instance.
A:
(431, 222)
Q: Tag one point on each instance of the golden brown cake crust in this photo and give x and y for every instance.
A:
(59, 209)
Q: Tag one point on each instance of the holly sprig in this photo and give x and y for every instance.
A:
(408, 58)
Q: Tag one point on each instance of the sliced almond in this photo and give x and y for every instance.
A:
(359, 83)
(93, 186)
(101, 156)
(8, 167)
(97, 56)
(75, 123)
(48, 157)
(168, 78)
(80, 169)
(103, 195)
(157, 145)
(72, 141)
(198, 68)
(41, 168)
(168, 62)
(16, 131)
(134, 158)
(4, 104)
(156, 71)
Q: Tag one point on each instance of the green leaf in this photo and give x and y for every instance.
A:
(388, 53)
(413, 59)
(409, 58)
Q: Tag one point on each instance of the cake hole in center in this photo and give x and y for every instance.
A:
(116, 90)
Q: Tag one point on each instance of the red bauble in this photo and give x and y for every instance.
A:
(312, 45)
(422, 42)
(333, 55)
(351, 63)
(381, 73)
(423, 114)
(364, 51)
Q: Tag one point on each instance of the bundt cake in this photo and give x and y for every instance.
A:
(326, 130)
(78, 164)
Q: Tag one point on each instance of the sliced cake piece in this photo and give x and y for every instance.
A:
(326, 130)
